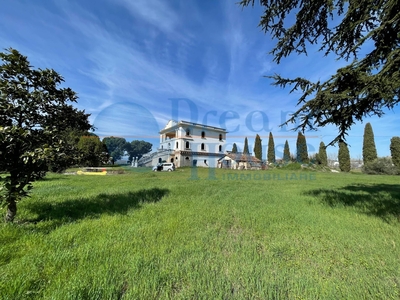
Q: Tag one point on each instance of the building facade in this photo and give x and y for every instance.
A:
(188, 144)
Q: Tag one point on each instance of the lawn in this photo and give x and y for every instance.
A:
(205, 234)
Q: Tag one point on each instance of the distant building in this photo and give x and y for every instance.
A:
(188, 144)
(239, 161)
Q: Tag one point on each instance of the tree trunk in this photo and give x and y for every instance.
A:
(11, 211)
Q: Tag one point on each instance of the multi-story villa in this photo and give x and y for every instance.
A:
(188, 144)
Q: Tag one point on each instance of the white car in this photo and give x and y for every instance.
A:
(164, 167)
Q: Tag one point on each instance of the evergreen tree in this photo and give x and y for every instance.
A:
(395, 150)
(286, 152)
(366, 37)
(271, 149)
(301, 148)
(344, 157)
(92, 150)
(36, 115)
(258, 147)
(369, 149)
(234, 148)
(246, 147)
(322, 157)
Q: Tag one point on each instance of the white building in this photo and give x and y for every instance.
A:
(188, 144)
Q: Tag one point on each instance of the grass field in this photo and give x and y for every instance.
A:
(195, 234)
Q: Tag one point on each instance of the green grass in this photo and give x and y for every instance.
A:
(276, 234)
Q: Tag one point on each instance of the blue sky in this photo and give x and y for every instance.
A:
(135, 64)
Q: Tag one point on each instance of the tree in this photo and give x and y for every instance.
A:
(258, 147)
(116, 147)
(234, 148)
(286, 152)
(271, 149)
(362, 33)
(344, 157)
(369, 149)
(301, 149)
(93, 151)
(322, 157)
(71, 154)
(395, 151)
(34, 115)
(246, 147)
(138, 148)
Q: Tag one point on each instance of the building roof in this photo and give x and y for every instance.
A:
(173, 124)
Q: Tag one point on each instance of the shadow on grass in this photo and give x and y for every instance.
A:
(76, 209)
(381, 200)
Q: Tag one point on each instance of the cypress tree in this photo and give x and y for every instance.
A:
(395, 150)
(322, 157)
(234, 148)
(246, 147)
(286, 152)
(258, 147)
(344, 157)
(271, 149)
(369, 149)
(301, 147)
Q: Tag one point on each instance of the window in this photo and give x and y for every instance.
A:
(220, 138)
(220, 148)
(187, 132)
(205, 162)
(187, 157)
(203, 134)
(169, 145)
(177, 144)
(203, 147)
(187, 145)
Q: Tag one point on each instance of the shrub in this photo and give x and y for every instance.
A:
(380, 166)
(291, 166)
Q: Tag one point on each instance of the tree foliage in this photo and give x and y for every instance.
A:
(93, 151)
(35, 116)
(258, 147)
(271, 149)
(395, 150)
(366, 37)
(301, 149)
(344, 157)
(322, 156)
(246, 147)
(234, 148)
(369, 148)
(286, 152)
(116, 147)
(71, 154)
(138, 148)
